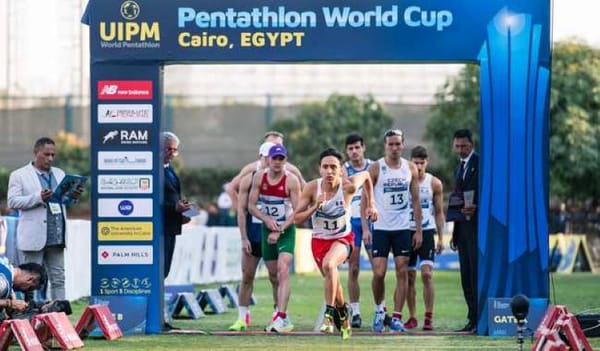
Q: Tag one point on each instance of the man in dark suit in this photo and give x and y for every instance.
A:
(464, 236)
(173, 205)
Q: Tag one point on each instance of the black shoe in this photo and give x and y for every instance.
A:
(356, 321)
(340, 316)
(469, 328)
(387, 320)
(167, 327)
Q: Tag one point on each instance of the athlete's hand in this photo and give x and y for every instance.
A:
(367, 237)
(417, 240)
(321, 200)
(246, 247)
(273, 237)
(439, 247)
(372, 214)
(272, 225)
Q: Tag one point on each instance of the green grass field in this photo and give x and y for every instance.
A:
(577, 291)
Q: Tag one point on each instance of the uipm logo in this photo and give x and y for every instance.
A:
(130, 34)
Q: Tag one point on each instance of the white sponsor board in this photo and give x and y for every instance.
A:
(124, 113)
(125, 160)
(124, 207)
(125, 254)
(125, 184)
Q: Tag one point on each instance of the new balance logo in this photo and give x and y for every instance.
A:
(109, 89)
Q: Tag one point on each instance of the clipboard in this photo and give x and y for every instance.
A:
(456, 202)
(63, 193)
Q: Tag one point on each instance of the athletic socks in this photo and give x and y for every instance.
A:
(355, 308)
(242, 312)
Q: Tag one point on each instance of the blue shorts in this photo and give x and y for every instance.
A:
(254, 233)
(358, 233)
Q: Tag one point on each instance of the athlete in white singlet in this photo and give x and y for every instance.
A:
(395, 188)
(327, 201)
(431, 194)
(355, 151)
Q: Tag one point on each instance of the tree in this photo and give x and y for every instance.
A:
(574, 158)
(456, 106)
(325, 124)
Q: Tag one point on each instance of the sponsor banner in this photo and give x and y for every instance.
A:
(125, 184)
(125, 160)
(125, 254)
(125, 113)
(124, 137)
(125, 231)
(124, 90)
(317, 30)
(124, 207)
(501, 320)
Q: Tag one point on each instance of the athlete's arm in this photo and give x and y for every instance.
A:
(293, 185)
(234, 186)
(416, 204)
(364, 179)
(295, 171)
(253, 200)
(364, 220)
(242, 210)
(438, 205)
(306, 203)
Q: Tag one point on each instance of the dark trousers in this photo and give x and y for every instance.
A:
(465, 237)
(169, 249)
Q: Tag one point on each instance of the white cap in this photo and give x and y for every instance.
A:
(263, 151)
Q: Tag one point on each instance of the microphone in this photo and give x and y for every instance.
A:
(520, 306)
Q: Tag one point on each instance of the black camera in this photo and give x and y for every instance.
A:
(56, 306)
(38, 308)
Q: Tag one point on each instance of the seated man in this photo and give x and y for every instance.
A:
(25, 278)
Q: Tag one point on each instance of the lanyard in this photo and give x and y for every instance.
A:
(48, 179)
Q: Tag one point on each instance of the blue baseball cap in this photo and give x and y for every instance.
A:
(277, 150)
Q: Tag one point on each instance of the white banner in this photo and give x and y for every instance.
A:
(206, 255)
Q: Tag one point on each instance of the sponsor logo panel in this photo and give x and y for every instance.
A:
(124, 207)
(118, 285)
(125, 231)
(124, 137)
(125, 184)
(125, 113)
(124, 90)
(124, 254)
(125, 160)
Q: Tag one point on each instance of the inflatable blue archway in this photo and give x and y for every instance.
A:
(131, 40)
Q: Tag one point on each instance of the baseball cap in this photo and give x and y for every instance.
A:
(277, 150)
(264, 149)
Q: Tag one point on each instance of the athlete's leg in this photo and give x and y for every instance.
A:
(336, 255)
(283, 276)
(411, 293)
(428, 291)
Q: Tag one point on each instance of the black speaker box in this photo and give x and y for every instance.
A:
(590, 324)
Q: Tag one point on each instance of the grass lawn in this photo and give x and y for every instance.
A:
(577, 291)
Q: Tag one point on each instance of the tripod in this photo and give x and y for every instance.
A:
(520, 330)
